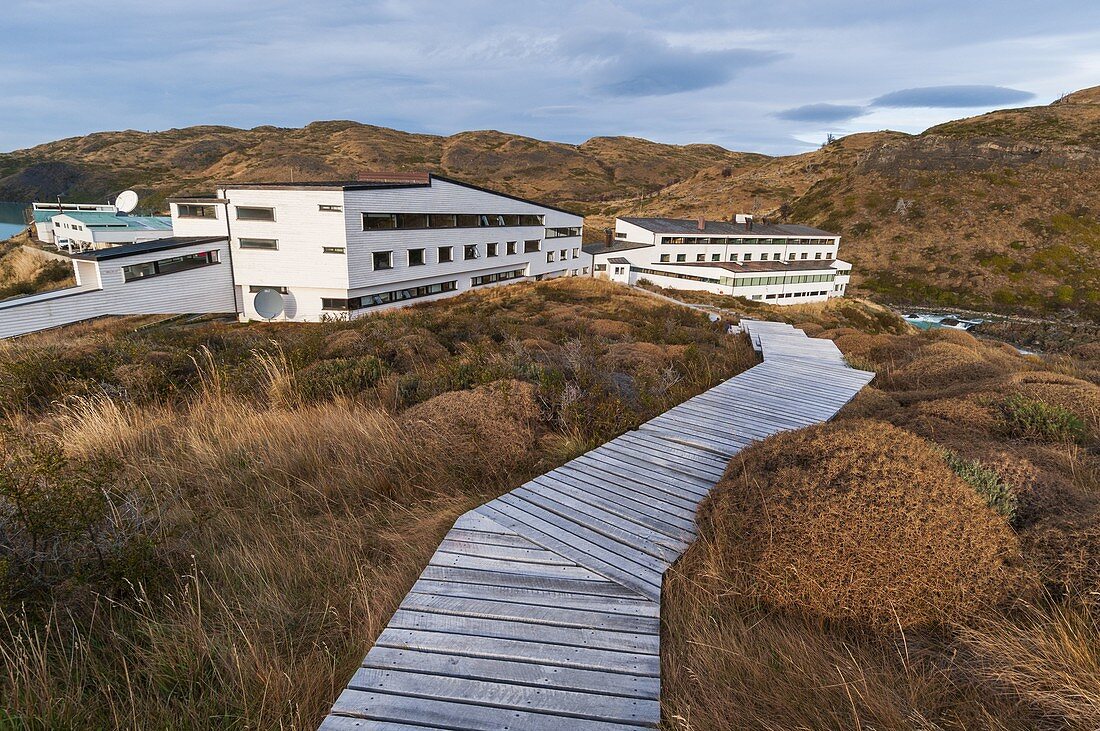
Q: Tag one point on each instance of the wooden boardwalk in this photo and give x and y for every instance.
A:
(541, 609)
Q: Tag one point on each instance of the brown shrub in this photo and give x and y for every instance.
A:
(869, 402)
(632, 356)
(346, 344)
(857, 520)
(495, 425)
(610, 329)
(812, 329)
(1073, 394)
(943, 364)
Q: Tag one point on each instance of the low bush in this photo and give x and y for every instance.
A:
(986, 482)
(1033, 418)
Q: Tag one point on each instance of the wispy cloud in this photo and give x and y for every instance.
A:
(822, 113)
(953, 97)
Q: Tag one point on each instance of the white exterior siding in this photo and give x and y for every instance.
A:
(103, 291)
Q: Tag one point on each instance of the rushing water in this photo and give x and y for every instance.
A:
(12, 219)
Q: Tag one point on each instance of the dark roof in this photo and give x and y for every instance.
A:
(148, 247)
(618, 260)
(383, 181)
(724, 228)
(757, 266)
(617, 245)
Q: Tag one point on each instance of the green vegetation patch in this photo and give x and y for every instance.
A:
(1037, 419)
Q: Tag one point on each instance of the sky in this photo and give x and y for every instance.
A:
(774, 77)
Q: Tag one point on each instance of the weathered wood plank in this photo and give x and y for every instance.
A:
(557, 616)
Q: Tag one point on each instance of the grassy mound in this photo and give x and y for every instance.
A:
(858, 522)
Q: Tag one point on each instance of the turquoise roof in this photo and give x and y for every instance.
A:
(103, 220)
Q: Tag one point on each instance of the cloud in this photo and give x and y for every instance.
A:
(822, 113)
(953, 96)
(635, 64)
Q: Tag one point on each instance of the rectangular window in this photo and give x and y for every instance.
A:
(498, 277)
(620, 270)
(469, 252)
(700, 257)
(776, 256)
(446, 254)
(411, 220)
(665, 258)
(549, 257)
(379, 221)
(269, 244)
(254, 213)
(511, 247)
(558, 233)
(748, 256)
(530, 247)
(733, 257)
(253, 289)
(330, 209)
(817, 255)
(194, 210)
(382, 260)
(333, 250)
(441, 220)
(620, 235)
(805, 254)
(169, 266)
(332, 304)
(491, 249)
(601, 267)
(416, 257)
(790, 256)
(681, 257)
(563, 255)
(467, 220)
(576, 253)
(716, 257)
(400, 295)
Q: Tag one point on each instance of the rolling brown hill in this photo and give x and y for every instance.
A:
(997, 211)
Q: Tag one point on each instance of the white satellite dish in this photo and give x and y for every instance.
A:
(268, 303)
(126, 201)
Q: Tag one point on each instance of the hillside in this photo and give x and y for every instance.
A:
(159, 164)
(993, 212)
(997, 211)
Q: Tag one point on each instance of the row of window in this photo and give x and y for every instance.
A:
(785, 295)
(385, 298)
(498, 277)
(779, 279)
(445, 254)
(676, 275)
(776, 256)
(169, 266)
(560, 233)
(562, 255)
(719, 241)
(404, 221)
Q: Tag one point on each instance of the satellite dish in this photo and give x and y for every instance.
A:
(126, 201)
(268, 303)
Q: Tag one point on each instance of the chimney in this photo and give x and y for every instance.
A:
(702, 224)
(748, 224)
(609, 237)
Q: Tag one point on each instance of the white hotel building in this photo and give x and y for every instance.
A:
(330, 250)
(782, 264)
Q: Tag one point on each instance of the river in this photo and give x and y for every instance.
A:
(12, 219)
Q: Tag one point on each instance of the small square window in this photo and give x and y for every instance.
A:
(576, 253)
(733, 257)
(491, 249)
(383, 260)
(469, 252)
(511, 247)
(664, 257)
(700, 257)
(777, 255)
(549, 257)
(748, 256)
(681, 257)
(791, 255)
(716, 257)
(446, 254)
(416, 257)
(817, 255)
(805, 255)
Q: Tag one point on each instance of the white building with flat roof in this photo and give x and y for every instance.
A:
(79, 231)
(344, 249)
(42, 216)
(781, 264)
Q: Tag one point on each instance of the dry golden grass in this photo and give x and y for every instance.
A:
(857, 521)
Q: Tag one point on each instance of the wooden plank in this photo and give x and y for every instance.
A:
(619, 542)
(594, 474)
(656, 545)
(639, 578)
(501, 629)
(453, 560)
(501, 694)
(472, 520)
(517, 612)
(601, 587)
(595, 485)
(652, 456)
(349, 723)
(503, 553)
(584, 658)
(465, 716)
(660, 479)
(491, 539)
(539, 597)
(673, 535)
(518, 673)
(682, 436)
(700, 457)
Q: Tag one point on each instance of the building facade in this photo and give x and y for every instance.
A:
(42, 216)
(79, 231)
(345, 249)
(774, 263)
